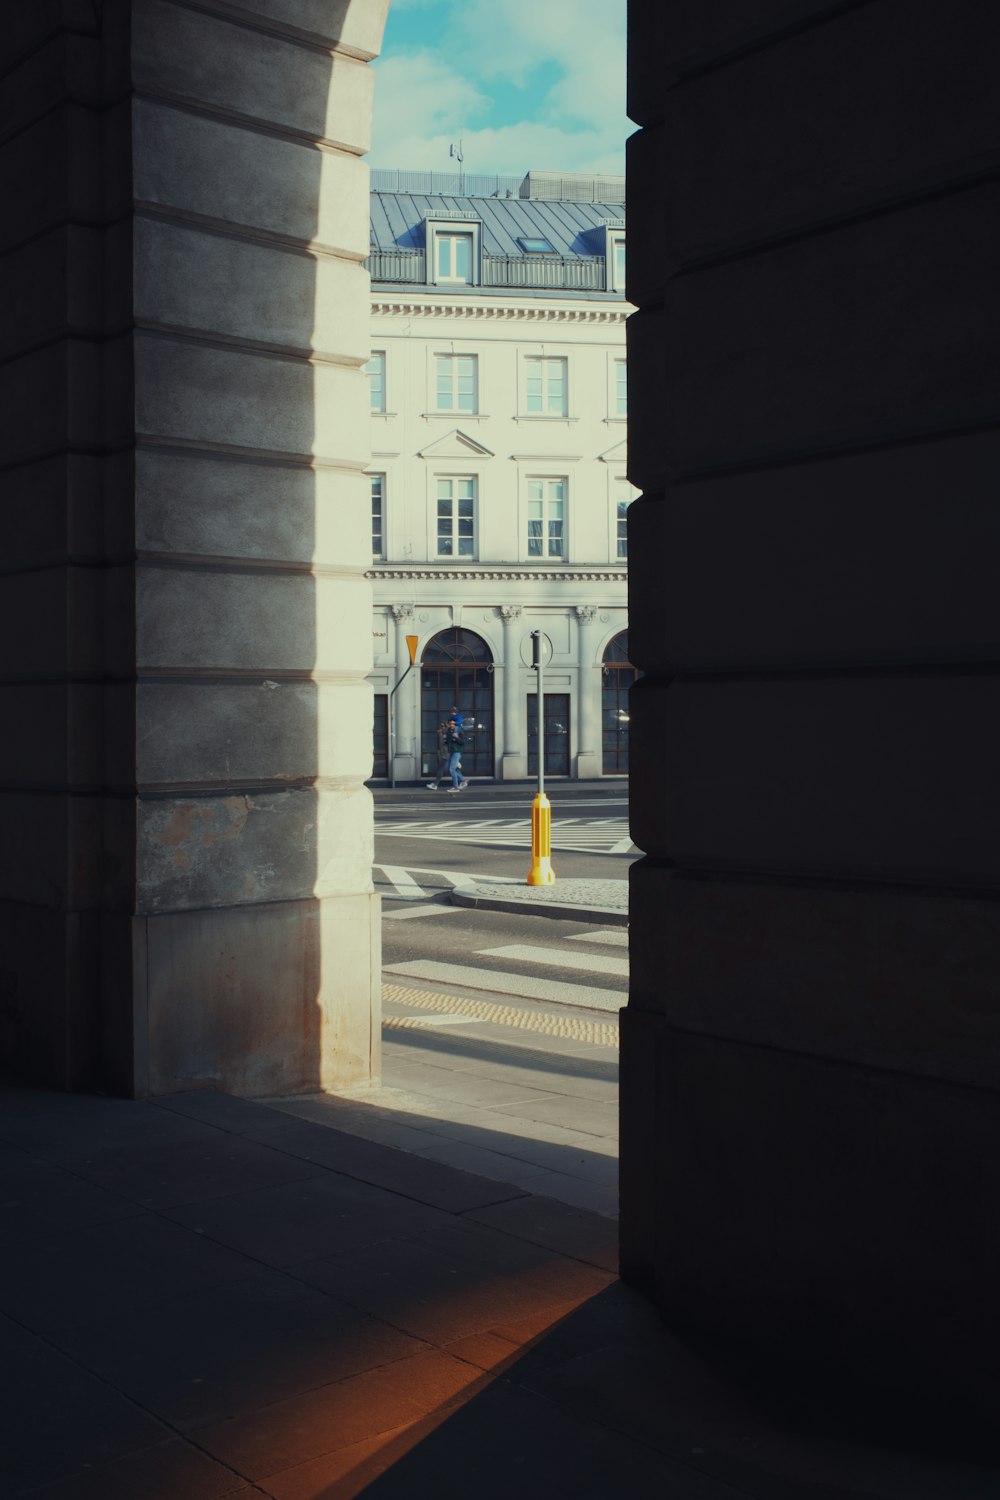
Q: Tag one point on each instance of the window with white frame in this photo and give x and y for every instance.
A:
(625, 493)
(547, 518)
(621, 388)
(378, 515)
(546, 387)
(453, 256)
(375, 370)
(456, 516)
(616, 253)
(456, 382)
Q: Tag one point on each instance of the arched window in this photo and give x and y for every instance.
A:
(456, 671)
(618, 675)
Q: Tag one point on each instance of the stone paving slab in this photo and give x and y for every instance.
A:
(329, 1337)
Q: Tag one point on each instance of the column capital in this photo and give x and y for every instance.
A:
(402, 611)
(509, 613)
(586, 613)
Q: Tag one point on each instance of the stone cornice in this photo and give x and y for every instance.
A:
(502, 575)
(433, 307)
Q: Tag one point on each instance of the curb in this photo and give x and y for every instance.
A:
(610, 916)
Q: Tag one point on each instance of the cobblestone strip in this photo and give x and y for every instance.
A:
(600, 1033)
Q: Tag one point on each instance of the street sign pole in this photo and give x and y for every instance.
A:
(541, 872)
(412, 641)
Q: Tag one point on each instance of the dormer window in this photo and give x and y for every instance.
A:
(453, 250)
(617, 257)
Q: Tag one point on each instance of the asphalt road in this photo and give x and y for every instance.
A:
(426, 842)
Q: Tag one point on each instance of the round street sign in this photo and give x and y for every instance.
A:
(546, 646)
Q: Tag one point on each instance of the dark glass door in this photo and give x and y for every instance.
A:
(456, 671)
(380, 756)
(556, 734)
(618, 676)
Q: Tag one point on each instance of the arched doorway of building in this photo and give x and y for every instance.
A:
(617, 676)
(456, 671)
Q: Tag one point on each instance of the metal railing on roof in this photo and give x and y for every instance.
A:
(450, 184)
(582, 273)
(569, 187)
(585, 273)
(397, 265)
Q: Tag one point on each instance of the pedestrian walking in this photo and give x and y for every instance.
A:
(443, 757)
(455, 742)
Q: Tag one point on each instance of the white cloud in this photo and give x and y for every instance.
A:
(417, 95)
(577, 122)
(506, 149)
(510, 38)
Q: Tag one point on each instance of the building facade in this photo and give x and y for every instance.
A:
(499, 493)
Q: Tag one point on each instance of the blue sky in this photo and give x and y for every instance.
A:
(529, 85)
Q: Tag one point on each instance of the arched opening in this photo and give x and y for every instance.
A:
(456, 671)
(617, 676)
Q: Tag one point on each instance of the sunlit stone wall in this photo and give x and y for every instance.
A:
(211, 834)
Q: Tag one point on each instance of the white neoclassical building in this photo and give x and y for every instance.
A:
(499, 489)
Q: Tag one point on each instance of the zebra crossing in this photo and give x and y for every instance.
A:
(405, 887)
(573, 835)
(566, 968)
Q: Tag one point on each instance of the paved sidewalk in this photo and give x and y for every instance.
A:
(511, 1092)
(582, 900)
(203, 1297)
(610, 789)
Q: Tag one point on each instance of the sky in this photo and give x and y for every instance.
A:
(529, 85)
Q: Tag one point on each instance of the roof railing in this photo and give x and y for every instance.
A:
(568, 187)
(449, 184)
(582, 273)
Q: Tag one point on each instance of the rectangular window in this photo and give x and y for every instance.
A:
(378, 515)
(456, 517)
(546, 517)
(545, 392)
(624, 495)
(454, 257)
(621, 388)
(457, 382)
(375, 370)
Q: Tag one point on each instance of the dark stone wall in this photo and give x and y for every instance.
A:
(811, 1095)
(65, 448)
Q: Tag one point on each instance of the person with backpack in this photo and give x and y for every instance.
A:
(443, 758)
(454, 743)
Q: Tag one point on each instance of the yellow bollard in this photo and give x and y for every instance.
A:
(541, 872)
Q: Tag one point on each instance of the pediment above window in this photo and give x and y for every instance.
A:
(455, 444)
(616, 455)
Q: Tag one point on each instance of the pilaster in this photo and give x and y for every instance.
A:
(514, 763)
(588, 759)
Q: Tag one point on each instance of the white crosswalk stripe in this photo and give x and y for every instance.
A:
(428, 909)
(434, 877)
(597, 963)
(403, 883)
(615, 937)
(577, 835)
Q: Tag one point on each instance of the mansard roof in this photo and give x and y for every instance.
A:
(572, 229)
